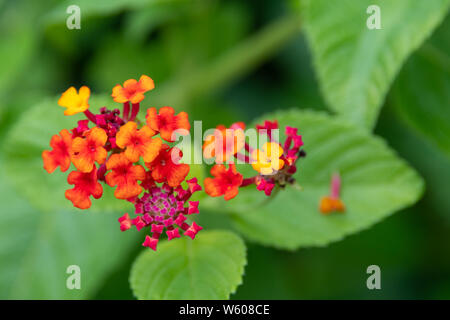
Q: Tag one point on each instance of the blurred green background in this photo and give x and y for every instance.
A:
(221, 61)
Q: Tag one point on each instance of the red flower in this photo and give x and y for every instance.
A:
(86, 185)
(193, 185)
(150, 242)
(268, 125)
(125, 222)
(193, 207)
(265, 185)
(60, 155)
(166, 167)
(193, 230)
(166, 122)
(125, 176)
(148, 182)
(225, 182)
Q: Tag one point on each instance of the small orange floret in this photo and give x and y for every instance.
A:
(224, 143)
(74, 101)
(166, 167)
(85, 151)
(60, 155)
(138, 142)
(225, 182)
(124, 175)
(267, 160)
(132, 90)
(86, 185)
(328, 205)
(166, 122)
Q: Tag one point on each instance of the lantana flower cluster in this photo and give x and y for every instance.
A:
(275, 163)
(137, 158)
(113, 148)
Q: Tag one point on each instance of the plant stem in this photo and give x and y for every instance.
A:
(90, 116)
(126, 111)
(134, 111)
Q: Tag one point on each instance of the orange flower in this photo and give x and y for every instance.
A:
(166, 167)
(60, 155)
(124, 175)
(166, 122)
(224, 143)
(133, 90)
(85, 151)
(138, 142)
(225, 182)
(329, 204)
(74, 101)
(332, 203)
(86, 185)
(267, 160)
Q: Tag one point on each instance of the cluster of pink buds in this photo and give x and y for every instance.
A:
(162, 208)
(287, 155)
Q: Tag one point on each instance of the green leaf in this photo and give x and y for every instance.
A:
(421, 93)
(420, 151)
(37, 247)
(140, 23)
(375, 184)
(209, 267)
(355, 65)
(23, 148)
(19, 39)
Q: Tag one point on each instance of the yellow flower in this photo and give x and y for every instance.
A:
(74, 101)
(267, 160)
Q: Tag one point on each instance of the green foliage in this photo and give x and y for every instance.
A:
(225, 61)
(421, 93)
(99, 8)
(19, 39)
(433, 165)
(210, 267)
(375, 183)
(140, 23)
(355, 65)
(23, 157)
(37, 247)
(194, 68)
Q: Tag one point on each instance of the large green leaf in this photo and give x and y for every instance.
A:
(421, 93)
(209, 267)
(23, 148)
(375, 183)
(37, 247)
(355, 65)
(433, 165)
(19, 38)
